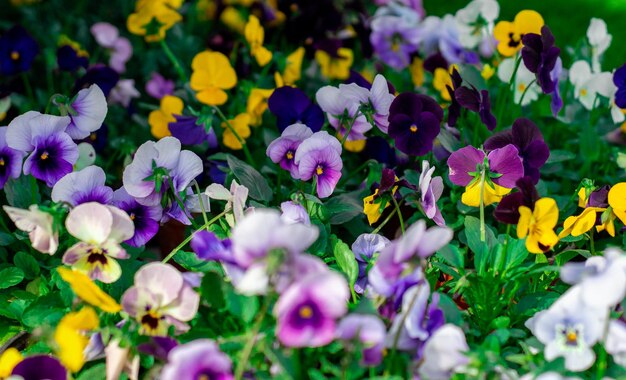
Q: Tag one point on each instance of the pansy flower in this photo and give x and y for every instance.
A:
(36, 367)
(414, 122)
(86, 185)
(70, 55)
(374, 102)
(124, 92)
(509, 34)
(160, 298)
(444, 353)
(157, 86)
(100, 230)
(344, 111)
(39, 225)
(395, 38)
(365, 247)
(282, 151)
(105, 77)
(528, 140)
(475, 101)
(619, 79)
(241, 125)
(255, 35)
(537, 225)
(375, 204)
(335, 64)
(307, 310)
(87, 111)
(443, 79)
(10, 160)
(614, 343)
(120, 48)
(599, 39)
(145, 218)
(152, 19)
(88, 291)
(319, 157)
(52, 151)
(195, 360)
(71, 339)
(257, 104)
(595, 203)
(159, 119)
(524, 82)
(430, 189)
(191, 131)
(499, 170)
(293, 69)
(212, 74)
(369, 331)
(17, 51)
(588, 85)
(291, 105)
(507, 211)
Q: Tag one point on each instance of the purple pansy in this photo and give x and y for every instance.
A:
(158, 86)
(123, 93)
(369, 331)
(444, 353)
(208, 246)
(394, 39)
(86, 111)
(158, 347)
(504, 165)
(105, 77)
(107, 36)
(52, 151)
(374, 102)
(157, 167)
(190, 132)
(454, 109)
(431, 189)
(540, 55)
(344, 111)
(86, 185)
(475, 101)
(619, 79)
(414, 123)
(145, 218)
(442, 35)
(71, 60)
(308, 309)
(364, 248)
(10, 160)
(291, 105)
(160, 298)
(282, 151)
(198, 359)
(294, 213)
(39, 367)
(507, 211)
(17, 51)
(319, 156)
(531, 147)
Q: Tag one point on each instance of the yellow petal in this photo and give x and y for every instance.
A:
(524, 221)
(546, 213)
(501, 33)
(253, 31)
(548, 239)
(212, 96)
(582, 198)
(262, 56)
(471, 196)
(417, 72)
(372, 210)
(617, 200)
(442, 79)
(293, 66)
(528, 21)
(70, 338)
(9, 359)
(88, 291)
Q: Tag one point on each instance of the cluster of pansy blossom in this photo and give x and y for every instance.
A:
(299, 189)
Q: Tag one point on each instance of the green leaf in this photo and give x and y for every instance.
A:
(22, 192)
(46, 310)
(10, 277)
(98, 371)
(480, 248)
(244, 307)
(453, 256)
(249, 177)
(191, 262)
(345, 207)
(345, 259)
(6, 239)
(26, 263)
(212, 289)
(560, 156)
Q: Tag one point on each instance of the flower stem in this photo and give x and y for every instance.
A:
(179, 68)
(521, 100)
(188, 238)
(405, 315)
(345, 136)
(201, 202)
(234, 132)
(482, 205)
(387, 219)
(28, 87)
(247, 349)
(592, 244)
(397, 206)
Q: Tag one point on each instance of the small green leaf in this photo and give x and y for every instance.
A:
(190, 261)
(345, 207)
(212, 289)
(98, 371)
(10, 277)
(453, 256)
(345, 259)
(249, 177)
(26, 263)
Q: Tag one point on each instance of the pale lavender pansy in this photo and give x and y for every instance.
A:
(52, 151)
(157, 86)
(107, 36)
(100, 230)
(343, 111)
(145, 218)
(307, 311)
(198, 359)
(39, 226)
(442, 35)
(294, 213)
(615, 343)
(160, 168)
(444, 353)
(319, 157)
(86, 185)
(364, 248)
(369, 331)
(10, 160)
(86, 111)
(431, 189)
(160, 298)
(374, 102)
(235, 199)
(569, 329)
(282, 151)
(123, 92)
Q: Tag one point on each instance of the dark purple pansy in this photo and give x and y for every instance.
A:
(68, 59)
(414, 122)
(475, 101)
(105, 77)
(189, 132)
(454, 109)
(540, 56)
(507, 211)
(290, 105)
(208, 246)
(40, 367)
(619, 78)
(145, 218)
(529, 143)
(377, 148)
(158, 346)
(17, 51)
(435, 61)
(10, 160)
(599, 197)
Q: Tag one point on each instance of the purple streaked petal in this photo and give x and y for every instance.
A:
(507, 162)
(462, 162)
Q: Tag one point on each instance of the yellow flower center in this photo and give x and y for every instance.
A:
(306, 312)
(319, 170)
(583, 92)
(1, 161)
(571, 337)
(132, 216)
(15, 55)
(521, 87)
(150, 320)
(413, 128)
(289, 155)
(93, 136)
(44, 155)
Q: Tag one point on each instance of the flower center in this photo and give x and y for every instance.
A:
(1, 161)
(571, 337)
(515, 41)
(521, 87)
(289, 155)
(151, 320)
(413, 128)
(97, 255)
(306, 312)
(132, 216)
(93, 136)
(583, 92)
(45, 155)
(15, 55)
(319, 170)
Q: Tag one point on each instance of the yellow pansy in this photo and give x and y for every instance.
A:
(335, 67)
(71, 339)
(212, 74)
(441, 81)
(293, 69)
(487, 71)
(170, 3)
(9, 359)
(607, 220)
(417, 71)
(257, 104)
(241, 124)
(617, 200)
(471, 196)
(233, 19)
(371, 209)
(354, 146)
(88, 291)
(577, 225)
(152, 19)
(509, 34)
(255, 35)
(159, 119)
(537, 226)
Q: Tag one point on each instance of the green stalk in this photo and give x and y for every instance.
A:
(345, 136)
(188, 239)
(170, 55)
(400, 218)
(482, 205)
(206, 220)
(247, 349)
